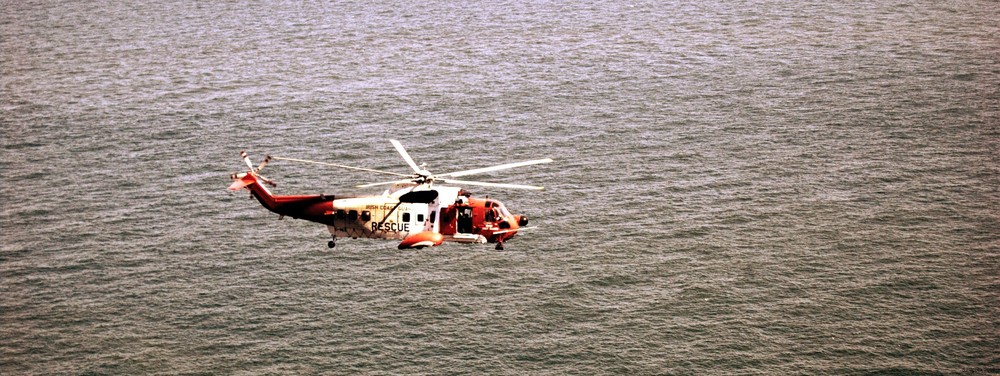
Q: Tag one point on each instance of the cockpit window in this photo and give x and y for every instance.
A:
(499, 206)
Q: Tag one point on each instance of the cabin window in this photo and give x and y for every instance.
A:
(341, 214)
(406, 217)
(420, 217)
(366, 216)
(433, 216)
(352, 215)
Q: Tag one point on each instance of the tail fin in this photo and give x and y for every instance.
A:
(252, 180)
(240, 182)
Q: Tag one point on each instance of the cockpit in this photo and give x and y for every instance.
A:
(495, 211)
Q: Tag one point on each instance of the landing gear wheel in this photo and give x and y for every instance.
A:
(499, 246)
(331, 244)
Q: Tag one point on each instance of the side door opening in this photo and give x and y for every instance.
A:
(465, 220)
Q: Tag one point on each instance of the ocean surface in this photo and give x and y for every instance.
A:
(740, 187)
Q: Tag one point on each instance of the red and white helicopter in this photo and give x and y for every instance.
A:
(413, 209)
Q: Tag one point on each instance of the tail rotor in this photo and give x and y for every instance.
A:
(240, 182)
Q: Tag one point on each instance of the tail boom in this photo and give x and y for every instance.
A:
(315, 208)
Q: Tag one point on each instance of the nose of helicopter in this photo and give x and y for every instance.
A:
(521, 220)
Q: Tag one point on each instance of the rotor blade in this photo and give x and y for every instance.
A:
(406, 156)
(497, 185)
(383, 183)
(243, 154)
(496, 168)
(267, 158)
(266, 180)
(337, 165)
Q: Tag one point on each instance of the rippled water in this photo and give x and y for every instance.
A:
(758, 187)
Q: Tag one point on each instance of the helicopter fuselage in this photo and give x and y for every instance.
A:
(448, 211)
(415, 209)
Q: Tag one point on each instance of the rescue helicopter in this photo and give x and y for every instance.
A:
(416, 208)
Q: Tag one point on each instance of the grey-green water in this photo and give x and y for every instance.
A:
(753, 187)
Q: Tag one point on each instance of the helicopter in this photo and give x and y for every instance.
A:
(416, 208)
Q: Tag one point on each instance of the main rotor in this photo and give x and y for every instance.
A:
(421, 176)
